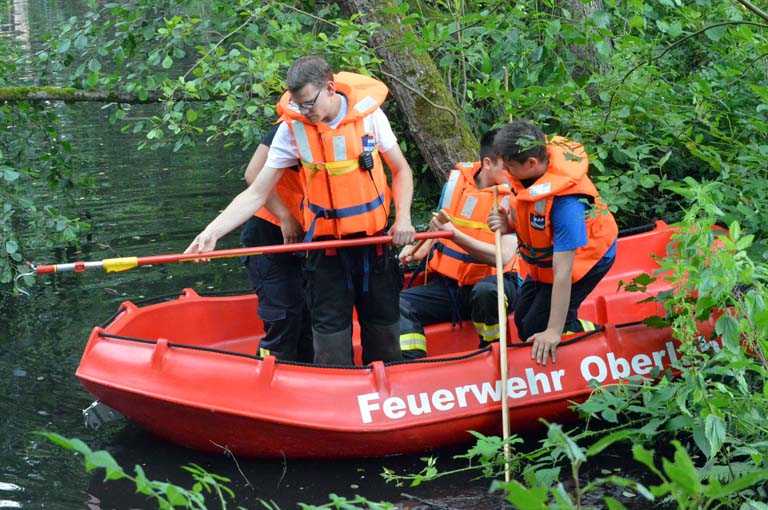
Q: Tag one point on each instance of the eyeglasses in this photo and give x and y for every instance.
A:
(308, 105)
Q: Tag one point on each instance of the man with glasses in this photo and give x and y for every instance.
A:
(333, 128)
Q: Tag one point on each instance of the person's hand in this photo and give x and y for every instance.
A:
(544, 345)
(291, 229)
(441, 221)
(406, 254)
(402, 232)
(499, 220)
(204, 242)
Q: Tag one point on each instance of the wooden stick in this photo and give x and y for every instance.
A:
(501, 298)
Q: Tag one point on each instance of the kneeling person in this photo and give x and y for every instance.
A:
(461, 270)
(566, 233)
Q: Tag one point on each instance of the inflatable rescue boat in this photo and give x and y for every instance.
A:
(186, 369)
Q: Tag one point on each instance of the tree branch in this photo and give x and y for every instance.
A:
(73, 95)
(425, 98)
(755, 9)
(667, 50)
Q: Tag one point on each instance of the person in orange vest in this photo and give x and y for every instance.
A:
(278, 279)
(461, 271)
(566, 234)
(332, 126)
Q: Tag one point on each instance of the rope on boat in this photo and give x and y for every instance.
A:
(640, 229)
(391, 363)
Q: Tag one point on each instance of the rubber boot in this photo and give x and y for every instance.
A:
(333, 348)
(381, 342)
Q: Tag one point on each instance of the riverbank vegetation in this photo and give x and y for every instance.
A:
(669, 97)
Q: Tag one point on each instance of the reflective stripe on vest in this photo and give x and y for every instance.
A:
(454, 254)
(341, 199)
(467, 207)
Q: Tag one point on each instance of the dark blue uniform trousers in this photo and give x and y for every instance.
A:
(443, 300)
(279, 283)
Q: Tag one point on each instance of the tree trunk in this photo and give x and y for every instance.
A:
(586, 54)
(73, 95)
(435, 120)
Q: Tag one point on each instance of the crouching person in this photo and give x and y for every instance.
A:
(566, 234)
(461, 271)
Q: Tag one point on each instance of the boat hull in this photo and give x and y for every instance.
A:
(186, 370)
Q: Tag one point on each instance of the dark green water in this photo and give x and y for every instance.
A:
(143, 203)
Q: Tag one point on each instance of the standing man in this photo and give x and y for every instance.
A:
(333, 128)
(278, 279)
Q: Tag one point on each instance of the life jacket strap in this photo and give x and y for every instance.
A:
(463, 222)
(463, 257)
(334, 168)
(344, 212)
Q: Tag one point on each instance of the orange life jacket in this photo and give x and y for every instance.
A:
(341, 199)
(290, 191)
(468, 207)
(566, 175)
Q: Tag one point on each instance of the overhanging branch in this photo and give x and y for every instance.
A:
(73, 95)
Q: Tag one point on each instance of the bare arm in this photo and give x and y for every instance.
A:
(483, 252)
(562, 266)
(402, 193)
(256, 163)
(486, 252)
(545, 342)
(242, 207)
(274, 204)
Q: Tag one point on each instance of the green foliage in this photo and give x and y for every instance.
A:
(710, 410)
(356, 503)
(37, 178)
(165, 494)
(168, 496)
(219, 66)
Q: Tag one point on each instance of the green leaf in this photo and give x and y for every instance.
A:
(9, 174)
(728, 329)
(714, 429)
(102, 459)
(524, 498)
(739, 484)
(167, 62)
(11, 247)
(715, 34)
(606, 441)
(64, 45)
(645, 457)
(143, 485)
(700, 438)
(175, 495)
(682, 472)
(191, 115)
(613, 504)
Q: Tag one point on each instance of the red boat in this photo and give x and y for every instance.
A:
(186, 370)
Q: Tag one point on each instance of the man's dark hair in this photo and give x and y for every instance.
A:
(520, 140)
(306, 70)
(486, 143)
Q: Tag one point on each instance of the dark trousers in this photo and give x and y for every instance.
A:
(367, 278)
(535, 299)
(443, 300)
(278, 281)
